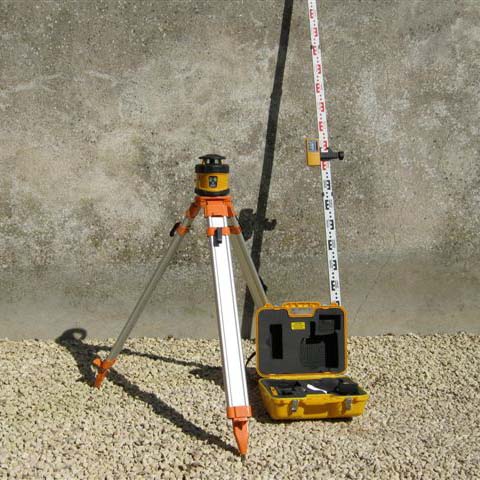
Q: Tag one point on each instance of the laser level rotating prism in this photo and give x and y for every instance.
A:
(223, 228)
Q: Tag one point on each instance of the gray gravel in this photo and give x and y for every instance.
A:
(161, 414)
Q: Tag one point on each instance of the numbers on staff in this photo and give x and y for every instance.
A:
(323, 147)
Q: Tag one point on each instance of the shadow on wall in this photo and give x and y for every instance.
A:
(83, 354)
(256, 224)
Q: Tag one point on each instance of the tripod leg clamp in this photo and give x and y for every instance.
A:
(179, 229)
(217, 233)
(212, 231)
(103, 367)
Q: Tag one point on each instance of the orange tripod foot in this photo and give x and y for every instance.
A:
(103, 367)
(240, 430)
(239, 416)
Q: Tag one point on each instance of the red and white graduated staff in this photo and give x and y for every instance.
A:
(328, 204)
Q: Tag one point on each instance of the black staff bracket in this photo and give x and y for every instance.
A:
(331, 155)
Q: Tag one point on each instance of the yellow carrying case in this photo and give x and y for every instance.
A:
(301, 351)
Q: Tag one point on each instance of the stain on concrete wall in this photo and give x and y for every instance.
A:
(105, 105)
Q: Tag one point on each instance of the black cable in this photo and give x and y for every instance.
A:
(249, 358)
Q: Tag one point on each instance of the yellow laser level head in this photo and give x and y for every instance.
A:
(212, 176)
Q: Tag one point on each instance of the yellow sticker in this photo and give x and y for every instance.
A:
(297, 325)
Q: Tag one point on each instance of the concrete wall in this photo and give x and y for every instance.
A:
(105, 105)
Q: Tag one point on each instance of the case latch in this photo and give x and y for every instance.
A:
(347, 403)
(293, 406)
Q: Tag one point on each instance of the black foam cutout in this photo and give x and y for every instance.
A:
(297, 345)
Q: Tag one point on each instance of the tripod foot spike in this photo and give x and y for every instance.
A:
(103, 367)
(240, 431)
(239, 416)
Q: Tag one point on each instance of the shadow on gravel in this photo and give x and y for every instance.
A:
(84, 353)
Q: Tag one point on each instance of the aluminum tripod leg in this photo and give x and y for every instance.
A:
(105, 365)
(238, 408)
(249, 271)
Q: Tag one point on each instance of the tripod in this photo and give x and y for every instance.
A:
(223, 228)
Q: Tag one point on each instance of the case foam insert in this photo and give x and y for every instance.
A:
(286, 349)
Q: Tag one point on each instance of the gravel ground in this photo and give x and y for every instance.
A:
(161, 414)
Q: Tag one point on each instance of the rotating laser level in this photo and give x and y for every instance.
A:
(212, 176)
(223, 227)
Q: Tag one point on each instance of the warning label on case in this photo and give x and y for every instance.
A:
(297, 325)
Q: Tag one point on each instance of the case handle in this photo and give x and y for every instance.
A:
(301, 309)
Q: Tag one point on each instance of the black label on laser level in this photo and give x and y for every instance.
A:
(212, 182)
